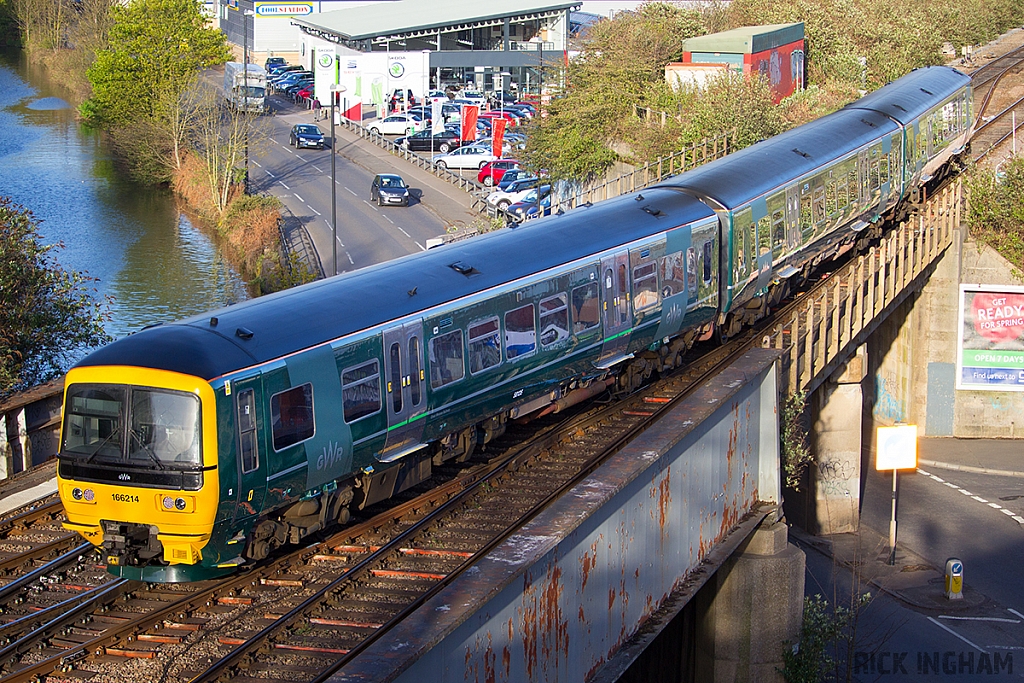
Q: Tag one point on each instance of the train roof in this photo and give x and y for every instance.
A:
(910, 96)
(742, 176)
(273, 326)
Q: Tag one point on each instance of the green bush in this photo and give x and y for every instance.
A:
(996, 209)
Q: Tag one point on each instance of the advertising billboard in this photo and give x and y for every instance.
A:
(990, 346)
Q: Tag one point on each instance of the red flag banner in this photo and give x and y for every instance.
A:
(497, 136)
(469, 114)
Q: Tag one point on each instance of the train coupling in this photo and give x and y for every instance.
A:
(126, 544)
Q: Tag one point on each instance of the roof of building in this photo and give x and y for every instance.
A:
(747, 39)
(415, 16)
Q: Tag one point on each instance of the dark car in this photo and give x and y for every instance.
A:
(281, 69)
(513, 175)
(388, 188)
(442, 142)
(306, 135)
(528, 207)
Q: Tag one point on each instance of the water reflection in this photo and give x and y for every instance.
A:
(144, 251)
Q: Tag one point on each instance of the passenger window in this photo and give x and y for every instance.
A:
(360, 390)
(672, 273)
(806, 221)
(446, 364)
(554, 320)
(586, 308)
(395, 381)
(247, 430)
(414, 370)
(645, 286)
(831, 200)
(292, 416)
(484, 351)
(708, 255)
(520, 332)
(779, 231)
(819, 204)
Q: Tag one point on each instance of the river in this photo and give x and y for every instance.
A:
(148, 258)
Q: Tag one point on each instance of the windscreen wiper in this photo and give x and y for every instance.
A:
(146, 449)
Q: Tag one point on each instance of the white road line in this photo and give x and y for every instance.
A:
(300, 198)
(389, 220)
(946, 628)
(370, 205)
(256, 163)
(1008, 513)
(269, 173)
(920, 471)
(979, 499)
(283, 185)
(314, 210)
(966, 492)
(951, 485)
(1001, 619)
(1018, 519)
(941, 481)
(1006, 647)
(422, 248)
(350, 258)
(316, 167)
(403, 231)
(1013, 611)
(353, 193)
(994, 506)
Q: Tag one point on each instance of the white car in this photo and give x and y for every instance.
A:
(515, 192)
(437, 96)
(471, 156)
(397, 124)
(474, 96)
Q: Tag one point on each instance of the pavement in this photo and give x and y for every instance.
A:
(912, 579)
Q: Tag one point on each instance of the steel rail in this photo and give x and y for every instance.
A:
(12, 588)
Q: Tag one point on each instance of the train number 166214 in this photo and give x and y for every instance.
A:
(125, 498)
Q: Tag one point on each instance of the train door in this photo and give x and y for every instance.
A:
(405, 395)
(617, 314)
(250, 423)
(792, 218)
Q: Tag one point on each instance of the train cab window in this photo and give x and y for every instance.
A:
(93, 424)
(586, 308)
(247, 450)
(414, 370)
(292, 416)
(164, 426)
(484, 347)
(645, 286)
(520, 332)
(673, 274)
(554, 320)
(395, 380)
(446, 363)
(360, 390)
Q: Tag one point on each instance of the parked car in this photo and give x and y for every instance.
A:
(508, 147)
(472, 97)
(443, 142)
(282, 69)
(291, 79)
(491, 115)
(397, 124)
(437, 96)
(492, 172)
(389, 188)
(512, 175)
(502, 98)
(306, 135)
(514, 192)
(274, 61)
(290, 75)
(471, 156)
(294, 88)
(528, 207)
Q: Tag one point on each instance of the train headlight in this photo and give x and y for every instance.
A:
(180, 503)
(168, 503)
(89, 495)
(76, 493)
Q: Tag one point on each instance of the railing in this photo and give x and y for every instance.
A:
(29, 422)
(690, 156)
(822, 334)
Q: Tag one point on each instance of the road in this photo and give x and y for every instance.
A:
(367, 234)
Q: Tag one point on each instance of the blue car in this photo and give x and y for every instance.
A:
(306, 135)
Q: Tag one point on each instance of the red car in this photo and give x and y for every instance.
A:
(491, 173)
(498, 115)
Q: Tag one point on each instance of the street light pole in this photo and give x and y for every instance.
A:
(245, 90)
(335, 90)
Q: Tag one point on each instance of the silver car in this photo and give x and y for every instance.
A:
(470, 156)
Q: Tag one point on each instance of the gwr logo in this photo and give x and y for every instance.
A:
(124, 477)
(331, 456)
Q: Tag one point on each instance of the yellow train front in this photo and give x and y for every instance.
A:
(137, 470)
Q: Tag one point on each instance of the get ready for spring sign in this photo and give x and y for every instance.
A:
(990, 347)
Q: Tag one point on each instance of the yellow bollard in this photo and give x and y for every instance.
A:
(954, 579)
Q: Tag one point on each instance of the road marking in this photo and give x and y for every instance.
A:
(994, 506)
(388, 220)
(269, 173)
(422, 248)
(350, 258)
(979, 499)
(1013, 611)
(951, 485)
(966, 492)
(920, 471)
(946, 628)
(1006, 647)
(256, 163)
(1008, 513)
(403, 231)
(314, 210)
(300, 198)
(353, 193)
(1002, 619)
(941, 481)
(370, 205)
(283, 185)
(1018, 519)
(316, 167)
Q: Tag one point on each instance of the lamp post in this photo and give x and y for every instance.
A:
(245, 90)
(335, 90)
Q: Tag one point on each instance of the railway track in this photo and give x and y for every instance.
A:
(992, 130)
